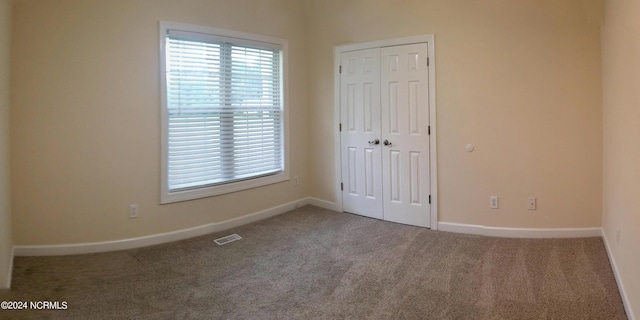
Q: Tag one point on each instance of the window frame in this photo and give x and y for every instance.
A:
(167, 196)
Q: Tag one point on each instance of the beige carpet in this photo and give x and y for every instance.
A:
(313, 263)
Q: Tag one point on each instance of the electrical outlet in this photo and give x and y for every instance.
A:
(296, 182)
(133, 211)
(618, 236)
(493, 202)
(532, 203)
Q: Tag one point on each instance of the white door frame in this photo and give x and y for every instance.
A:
(433, 172)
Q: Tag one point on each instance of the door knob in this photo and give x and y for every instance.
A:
(387, 143)
(374, 142)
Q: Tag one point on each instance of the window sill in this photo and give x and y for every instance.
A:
(171, 197)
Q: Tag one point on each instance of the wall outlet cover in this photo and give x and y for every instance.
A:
(493, 202)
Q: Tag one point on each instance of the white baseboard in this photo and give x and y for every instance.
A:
(614, 267)
(519, 232)
(7, 284)
(257, 216)
(460, 228)
(94, 247)
(13, 257)
(323, 204)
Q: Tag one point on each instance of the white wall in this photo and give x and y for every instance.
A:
(521, 80)
(621, 127)
(6, 243)
(85, 137)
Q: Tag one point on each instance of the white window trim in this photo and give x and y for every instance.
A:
(176, 196)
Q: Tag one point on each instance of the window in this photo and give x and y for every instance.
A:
(223, 111)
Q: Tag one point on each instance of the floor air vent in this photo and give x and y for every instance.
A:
(227, 239)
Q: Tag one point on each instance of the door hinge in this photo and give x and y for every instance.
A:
(341, 127)
(429, 130)
(429, 199)
(341, 186)
(340, 69)
(427, 61)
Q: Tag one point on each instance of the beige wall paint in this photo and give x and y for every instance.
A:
(621, 119)
(85, 138)
(518, 79)
(6, 243)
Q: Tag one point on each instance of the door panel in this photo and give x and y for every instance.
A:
(405, 121)
(360, 113)
(384, 95)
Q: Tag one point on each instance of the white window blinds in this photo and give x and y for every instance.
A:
(224, 110)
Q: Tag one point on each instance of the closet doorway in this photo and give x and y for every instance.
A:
(386, 130)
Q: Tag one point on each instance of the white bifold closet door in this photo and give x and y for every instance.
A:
(384, 107)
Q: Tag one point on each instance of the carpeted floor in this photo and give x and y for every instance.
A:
(313, 263)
